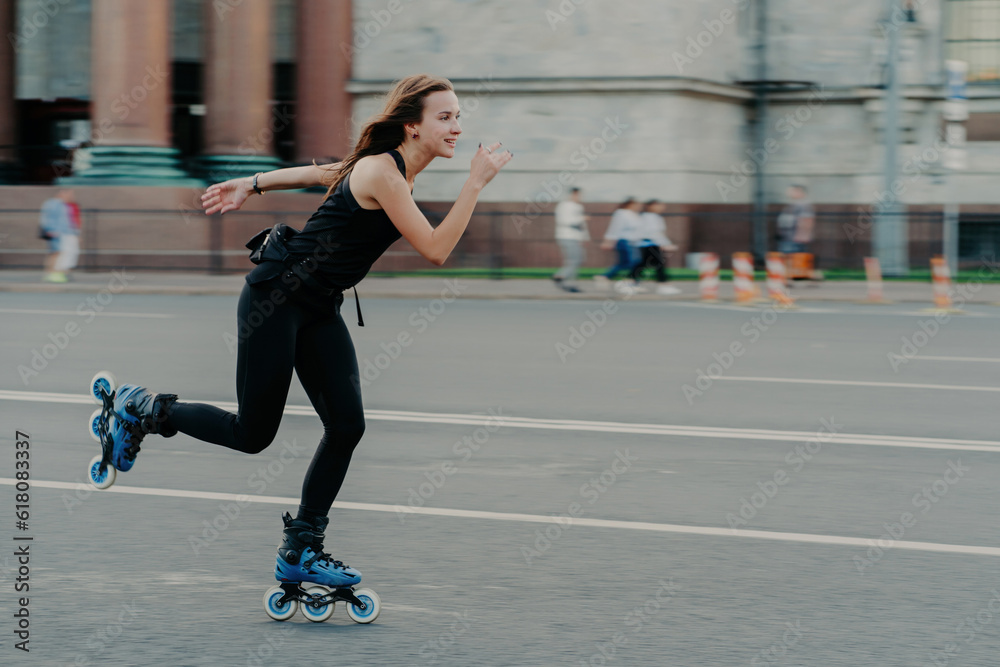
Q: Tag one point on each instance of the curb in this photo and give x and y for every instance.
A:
(178, 290)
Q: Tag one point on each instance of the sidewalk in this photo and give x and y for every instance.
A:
(136, 282)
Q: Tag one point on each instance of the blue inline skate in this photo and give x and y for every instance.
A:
(127, 414)
(301, 560)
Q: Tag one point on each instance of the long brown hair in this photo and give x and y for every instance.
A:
(403, 104)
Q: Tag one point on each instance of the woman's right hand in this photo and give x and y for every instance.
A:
(226, 196)
(487, 163)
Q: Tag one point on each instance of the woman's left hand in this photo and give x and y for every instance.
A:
(227, 196)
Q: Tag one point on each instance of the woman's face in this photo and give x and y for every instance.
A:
(439, 128)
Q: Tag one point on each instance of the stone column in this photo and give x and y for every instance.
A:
(8, 130)
(324, 54)
(130, 97)
(239, 80)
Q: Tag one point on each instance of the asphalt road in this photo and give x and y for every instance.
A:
(531, 489)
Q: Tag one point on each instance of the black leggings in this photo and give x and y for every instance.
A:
(277, 334)
(651, 256)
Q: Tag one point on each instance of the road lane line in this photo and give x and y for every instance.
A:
(706, 531)
(27, 311)
(716, 432)
(859, 383)
(979, 359)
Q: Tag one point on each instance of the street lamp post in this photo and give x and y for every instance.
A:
(891, 238)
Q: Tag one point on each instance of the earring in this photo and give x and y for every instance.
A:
(415, 135)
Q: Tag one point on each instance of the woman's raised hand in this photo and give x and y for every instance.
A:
(226, 196)
(487, 163)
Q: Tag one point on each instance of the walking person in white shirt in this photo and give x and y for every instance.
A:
(622, 235)
(571, 234)
(652, 246)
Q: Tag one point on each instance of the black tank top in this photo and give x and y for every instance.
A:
(346, 237)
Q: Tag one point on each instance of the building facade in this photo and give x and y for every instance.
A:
(708, 103)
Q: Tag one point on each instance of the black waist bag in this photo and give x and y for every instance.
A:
(269, 246)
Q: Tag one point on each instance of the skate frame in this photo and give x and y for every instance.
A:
(295, 591)
(107, 445)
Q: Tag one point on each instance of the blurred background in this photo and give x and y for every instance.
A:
(888, 111)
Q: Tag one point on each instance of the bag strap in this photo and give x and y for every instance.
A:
(357, 302)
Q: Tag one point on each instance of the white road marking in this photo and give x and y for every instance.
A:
(860, 383)
(707, 531)
(104, 313)
(587, 426)
(979, 359)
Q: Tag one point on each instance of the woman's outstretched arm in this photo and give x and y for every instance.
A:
(436, 243)
(230, 195)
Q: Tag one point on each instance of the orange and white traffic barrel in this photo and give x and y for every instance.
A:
(743, 278)
(873, 276)
(708, 276)
(942, 283)
(777, 291)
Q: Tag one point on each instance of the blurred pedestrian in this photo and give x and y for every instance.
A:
(69, 244)
(56, 227)
(796, 225)
(652, 246)
(622, 235)
(571, 234)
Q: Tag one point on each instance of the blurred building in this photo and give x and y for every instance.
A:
(690, 101)
(163, 90)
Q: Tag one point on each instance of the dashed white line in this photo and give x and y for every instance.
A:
(705, 531)
(716, 432)
(104, 313)
(988, 360)
(861, 383)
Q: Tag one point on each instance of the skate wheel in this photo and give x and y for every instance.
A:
(95, 424)
(99, 479)
(271, 608)
(103, 380)
(312, 613)
(372, 606)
